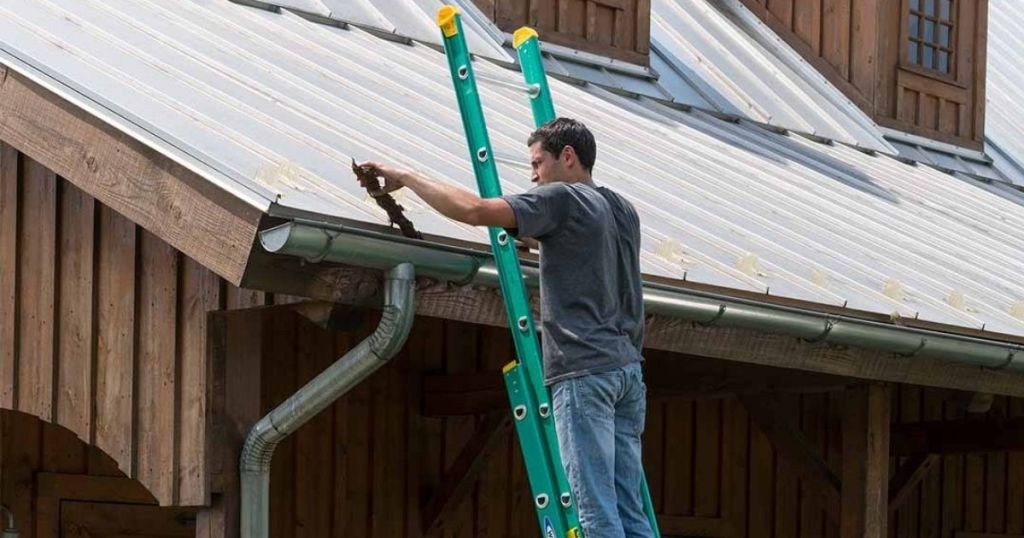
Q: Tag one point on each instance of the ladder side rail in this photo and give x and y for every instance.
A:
(527, 45)
(537, 426)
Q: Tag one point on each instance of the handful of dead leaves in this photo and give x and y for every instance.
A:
(368, 178)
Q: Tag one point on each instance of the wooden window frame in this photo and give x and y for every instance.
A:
(919, 68)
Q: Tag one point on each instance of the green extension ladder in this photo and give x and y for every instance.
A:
(529, 398)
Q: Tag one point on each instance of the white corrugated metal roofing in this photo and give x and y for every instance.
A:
(273, 107)
(1004, 87)
(715, 56)
(408, 18)
(745, 68)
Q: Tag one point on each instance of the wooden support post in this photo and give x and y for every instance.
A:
(235, 344)
(791, 444)
(459, 480)
(865, 485)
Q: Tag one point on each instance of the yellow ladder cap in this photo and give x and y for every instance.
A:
(446, 20)
(521, 35)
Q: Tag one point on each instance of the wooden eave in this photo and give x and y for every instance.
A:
(177, 205)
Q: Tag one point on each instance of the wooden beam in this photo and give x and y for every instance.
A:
(957, 436)
(185, 210)
(331, 283)
(790, 443)
(668, 376)
(909, 475)
(459, 480)
(865, 462)
(757, 347)
(484, 306)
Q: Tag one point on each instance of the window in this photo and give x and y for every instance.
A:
(931, 34)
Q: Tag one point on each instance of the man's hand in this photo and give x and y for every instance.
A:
(449, 200)
(394, 178)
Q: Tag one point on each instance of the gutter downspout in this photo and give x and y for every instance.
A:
(355, 366)
(317, 242)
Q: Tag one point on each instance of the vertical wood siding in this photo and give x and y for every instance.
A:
(57, 486)
(29, 446)
(615, 28)
(367, 465)
(103, 330)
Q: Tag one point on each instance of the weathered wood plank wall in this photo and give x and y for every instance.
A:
(59, 486)
(103, 329)
(614, 28)
(369, 464)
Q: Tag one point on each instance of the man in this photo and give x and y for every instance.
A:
(592, 311)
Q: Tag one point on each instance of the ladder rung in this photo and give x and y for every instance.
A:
(529, 89)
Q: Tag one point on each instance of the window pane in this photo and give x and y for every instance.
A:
(929, 7)
(943, 61)
(944, 9)
(915, 5)
(915, 30)
(928, 58)
(929, 31)
(912, 52)
(944, 34)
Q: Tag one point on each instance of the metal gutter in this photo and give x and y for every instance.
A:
(348, 371)
(322, 242)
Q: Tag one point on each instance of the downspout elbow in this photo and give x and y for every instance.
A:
(348, 371)
(397, 316)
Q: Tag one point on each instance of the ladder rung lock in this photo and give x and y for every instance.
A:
(542, 500)
(524, 324)
(566, 499)
(503, 238)
(481, 154)
(533, 90)
(519, 412)
(463, 72)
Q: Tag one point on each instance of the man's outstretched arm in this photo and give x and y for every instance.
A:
(450, 201)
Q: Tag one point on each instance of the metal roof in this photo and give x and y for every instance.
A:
(744, 68)
(1004, 86)
(413, 19)
(272, 107)
(713, 55)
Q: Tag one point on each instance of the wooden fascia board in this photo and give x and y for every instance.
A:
(185, 210)
(484, 306)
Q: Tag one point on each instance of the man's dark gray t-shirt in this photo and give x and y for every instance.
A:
(591, 292)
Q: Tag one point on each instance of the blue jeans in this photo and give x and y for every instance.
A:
(599, 419)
